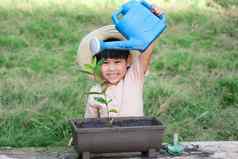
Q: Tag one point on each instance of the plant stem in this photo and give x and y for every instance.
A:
(98, 113)
(108, 113)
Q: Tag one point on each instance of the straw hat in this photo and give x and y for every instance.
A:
(84, 55)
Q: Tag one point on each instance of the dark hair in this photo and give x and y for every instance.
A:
(112, 53)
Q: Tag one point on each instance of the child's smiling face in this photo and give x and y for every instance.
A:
(113, 70)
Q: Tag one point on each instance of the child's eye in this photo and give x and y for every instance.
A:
(118, 61)
(105, 62)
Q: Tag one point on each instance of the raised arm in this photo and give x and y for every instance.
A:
(145, 57)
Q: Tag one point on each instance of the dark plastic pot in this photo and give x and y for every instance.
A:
(126, 134)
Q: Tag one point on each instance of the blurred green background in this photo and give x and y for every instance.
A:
(192, 86)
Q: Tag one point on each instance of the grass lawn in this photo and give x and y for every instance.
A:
(192, 86)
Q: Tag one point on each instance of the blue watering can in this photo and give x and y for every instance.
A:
(135, 21)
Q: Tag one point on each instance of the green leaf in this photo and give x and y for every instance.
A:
(109, 101)
(94, 93)
(88, 68)
(97, 69)
(113, 110)
(86, 72)
(101, 100)
(104, 87)
(94, 62)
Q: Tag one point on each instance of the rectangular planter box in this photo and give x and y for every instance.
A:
(126, 134)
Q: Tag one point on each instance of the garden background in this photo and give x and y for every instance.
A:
(192, 86)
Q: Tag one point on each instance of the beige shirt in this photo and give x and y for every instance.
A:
(126, 96)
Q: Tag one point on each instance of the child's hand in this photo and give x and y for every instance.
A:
(156, 10)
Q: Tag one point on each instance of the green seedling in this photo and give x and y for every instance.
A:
(94, 69)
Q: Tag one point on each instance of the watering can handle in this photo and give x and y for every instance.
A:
(115, 15)
(162, 17)
(123, 10)
(146, 4)
(150, 6)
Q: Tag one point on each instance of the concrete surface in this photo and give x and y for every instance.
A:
(194, 150)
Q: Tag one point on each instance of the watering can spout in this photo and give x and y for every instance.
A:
(97, 45)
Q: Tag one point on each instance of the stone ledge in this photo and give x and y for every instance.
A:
(205, 150)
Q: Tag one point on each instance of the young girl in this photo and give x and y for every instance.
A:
(123, 74)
